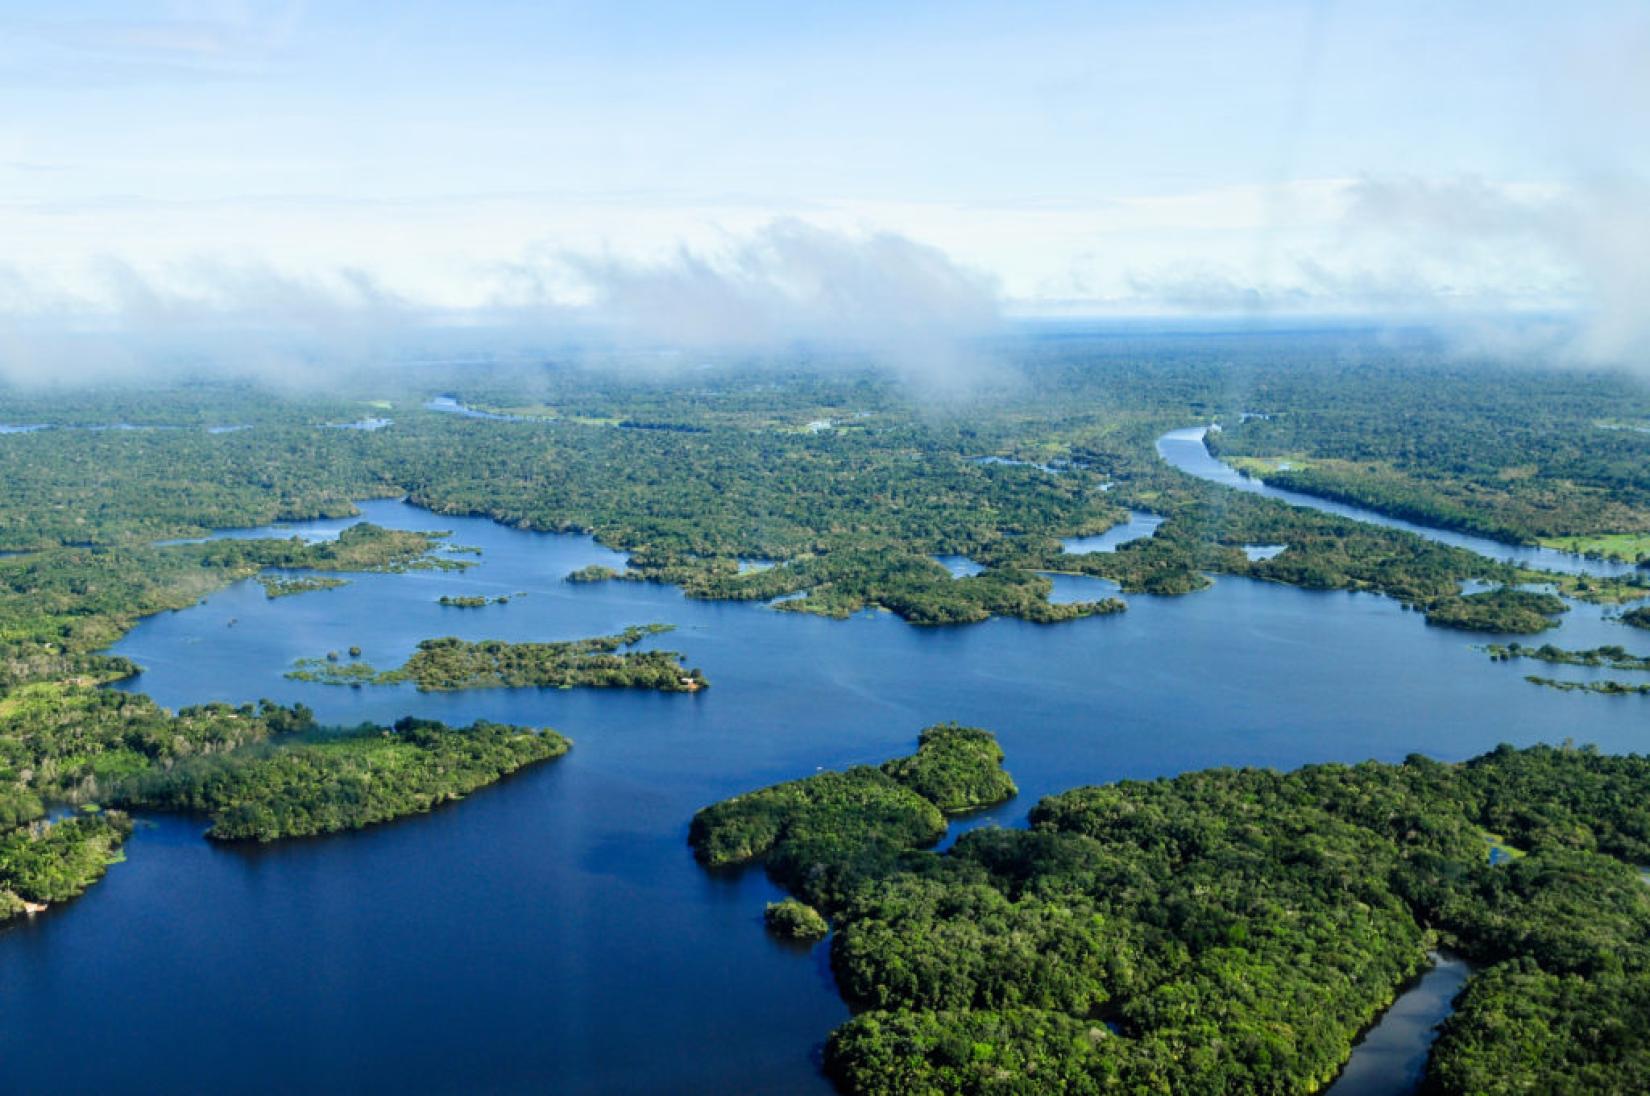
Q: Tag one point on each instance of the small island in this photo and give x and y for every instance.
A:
(443, 665)
(1507, 610)
(278, 586)
(475, 601)
(1602, 688)
(789, 919)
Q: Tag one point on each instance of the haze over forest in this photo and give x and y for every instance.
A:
(314, 181)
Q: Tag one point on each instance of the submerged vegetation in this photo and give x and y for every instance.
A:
(1222, 931)
(475, 601)
(1609, 657)
(1603, 688)
(440, 665)
(1637, 618)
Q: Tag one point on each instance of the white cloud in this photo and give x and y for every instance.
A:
(897, 303)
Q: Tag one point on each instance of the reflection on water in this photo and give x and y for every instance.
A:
(1140, 525)
(1185, 449)
(538, 932)
(1391, 1058)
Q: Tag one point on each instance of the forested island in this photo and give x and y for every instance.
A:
(260, 771)
(326, 782)
(1247, 926)
(440, 665)
(1221, 931)
(277, 586)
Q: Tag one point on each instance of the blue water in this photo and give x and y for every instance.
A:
(1185, 449)
(1392, 1056)
(554, 932)
(451, 406)
(960, 566)
(1140, 525)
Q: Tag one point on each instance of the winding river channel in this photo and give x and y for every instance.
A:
(1187, 451)
(554, 932)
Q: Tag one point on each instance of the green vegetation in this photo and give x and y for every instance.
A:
(1610, 657)
(1603, 688)
(475, 601)
(328, 783)
(1472, 446)
(956, 769)
(440, 665)
(46, 862)
(1510, 611)
(1223, 931)
(1624, 547)
(1637, 618)
(824, 836)
(795, 920)
(845, 480)
(75, 743)
(277, 586)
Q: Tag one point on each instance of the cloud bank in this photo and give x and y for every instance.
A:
(880, 297)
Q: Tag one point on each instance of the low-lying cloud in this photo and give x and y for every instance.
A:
(1596, 232)
(879, 297)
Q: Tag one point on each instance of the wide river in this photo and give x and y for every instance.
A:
(554, 932)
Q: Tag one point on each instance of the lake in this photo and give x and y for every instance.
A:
(554, 932)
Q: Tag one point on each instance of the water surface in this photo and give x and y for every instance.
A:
(554, 932)
(1391, 1058)
(1185, 449)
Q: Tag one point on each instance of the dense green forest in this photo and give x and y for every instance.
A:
(47, 862)
(1503, 451)
(848, 482)
(440, 665)
(330, 782)
(1227, 930)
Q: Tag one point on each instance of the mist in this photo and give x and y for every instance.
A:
(878, 299)
(1596, 232)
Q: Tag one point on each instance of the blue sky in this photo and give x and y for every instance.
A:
(1105, 157)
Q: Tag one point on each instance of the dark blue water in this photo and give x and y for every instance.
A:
(1392, 1056)
(554, 932)
(1186, 450)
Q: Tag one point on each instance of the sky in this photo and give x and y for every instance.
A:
(735, 163)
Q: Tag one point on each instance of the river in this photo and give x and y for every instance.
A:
(1391, 1058)
(1185, 449)
(554, 932)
